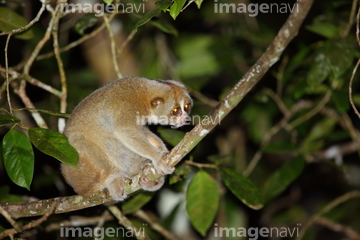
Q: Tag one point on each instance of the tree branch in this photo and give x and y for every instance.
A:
(256, 72)
(63, 204)
(272, 54)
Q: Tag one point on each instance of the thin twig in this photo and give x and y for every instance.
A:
(350, 89)
(336, 227)
(38, 47)
(204, 99)
(280, 75)
(278, 101)
(313, 111)
(30, 24)
(283, 123)
(349, 126)
(32, 224)
(31, 80)
(125, 43)
(7, 72)
(21, 92)
(190, 2)
(140, 233)
(79, 221)
(201, 165)
(356, 66)
(272, 54)
(351, 19)
(7, 216)
(192, 138)
(337, 201)
(63, 97)
(113, 47)
(77, 42)
(154, 225)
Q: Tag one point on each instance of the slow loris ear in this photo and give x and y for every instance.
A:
(156, 101)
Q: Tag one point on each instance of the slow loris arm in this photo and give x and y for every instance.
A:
(145, 143)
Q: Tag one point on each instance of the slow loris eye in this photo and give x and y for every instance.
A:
(187, 107)
(175, 111)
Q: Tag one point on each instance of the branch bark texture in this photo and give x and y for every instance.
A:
(272, 54)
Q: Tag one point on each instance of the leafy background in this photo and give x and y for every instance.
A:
(268, 164)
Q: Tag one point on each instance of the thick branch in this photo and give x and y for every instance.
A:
(272, 54)
(63, 204)
(256, 72)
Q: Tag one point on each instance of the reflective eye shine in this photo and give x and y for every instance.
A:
(187, 107)
(175, 111)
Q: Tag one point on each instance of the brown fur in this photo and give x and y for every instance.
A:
(111, 143)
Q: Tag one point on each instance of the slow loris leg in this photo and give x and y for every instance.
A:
(94, 171)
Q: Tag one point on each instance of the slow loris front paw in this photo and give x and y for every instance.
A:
(150, 185)
(163, 168)
(116, 188)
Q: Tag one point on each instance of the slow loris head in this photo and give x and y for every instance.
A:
(173, 107)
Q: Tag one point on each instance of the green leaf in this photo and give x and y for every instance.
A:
(8, 119)
(242, 187)
(136, 202)
(202, 200)
(147, 17)
(313, 146)
(299, 89)
(341, 100)
(85, 22)
(163, 4)
(279, 147)
(181, 173)
(220, 159)
(66, 115)
(258, 119)
(5, 195)
(295, 62)
(324, 29)
(54, 144)
(18, 158)
(108, 1)
(314, 140)
(10, 20)
(197, 58)
(333, 59)
(165, 27)
(176, 8)
(356, 99)
(198, 3)
(341, 55)
(171, 136)
(321, 129)
(320, 69)
(52, 113)
(282, 177)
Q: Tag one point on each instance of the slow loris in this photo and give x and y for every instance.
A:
(109, 130)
